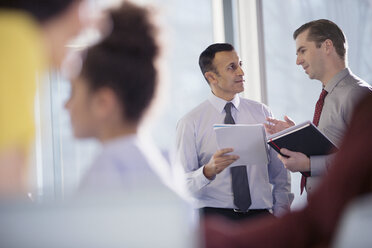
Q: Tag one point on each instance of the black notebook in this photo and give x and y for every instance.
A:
(305, 138)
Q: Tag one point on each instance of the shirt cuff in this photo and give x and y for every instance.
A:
(202, 179)
(284, 205)
(318, 165)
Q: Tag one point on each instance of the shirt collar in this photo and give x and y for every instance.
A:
(131, 138)
(219, 103)
(336, 79)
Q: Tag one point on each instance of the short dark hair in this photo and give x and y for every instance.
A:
(125, 61)
(207, 56)
(321, 30)
(42, 10)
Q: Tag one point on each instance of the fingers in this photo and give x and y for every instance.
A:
(289, 120)
(285, 161)
(223, 151)
(221, 165)
(295, 162)
(269, 128)
(287, 152)
(221, 154)
(226, 160)
(272, 120)
(275, 125)
(282, 158)
(221, 160)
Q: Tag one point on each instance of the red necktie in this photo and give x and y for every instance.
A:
(317, 113)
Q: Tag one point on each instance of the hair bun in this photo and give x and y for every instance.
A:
(132, 33)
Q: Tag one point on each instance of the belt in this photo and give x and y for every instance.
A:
(234, 214)
(234, 210)
(249, 210)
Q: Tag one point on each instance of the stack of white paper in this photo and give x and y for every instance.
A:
(248, 142)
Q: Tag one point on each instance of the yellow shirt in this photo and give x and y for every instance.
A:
(21, 62)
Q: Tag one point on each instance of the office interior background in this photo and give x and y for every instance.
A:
(260, 30)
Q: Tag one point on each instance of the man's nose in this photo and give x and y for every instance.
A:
(240, 71)
(299, 60)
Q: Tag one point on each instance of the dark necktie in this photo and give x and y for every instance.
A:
(239, 178)
(228, 118)
(317, 113)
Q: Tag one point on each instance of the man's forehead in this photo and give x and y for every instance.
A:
(226, 57)
(302, 38)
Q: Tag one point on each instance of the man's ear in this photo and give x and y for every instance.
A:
(328, 45)
(211, 77)
(104, 103)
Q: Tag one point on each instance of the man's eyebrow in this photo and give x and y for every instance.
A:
(229, 64)
(299, 49)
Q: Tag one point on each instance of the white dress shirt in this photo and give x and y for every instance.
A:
(127, 163)
(196, 143)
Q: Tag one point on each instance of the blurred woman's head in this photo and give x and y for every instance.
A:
(119, 77)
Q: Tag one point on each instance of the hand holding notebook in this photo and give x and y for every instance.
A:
(305, 138)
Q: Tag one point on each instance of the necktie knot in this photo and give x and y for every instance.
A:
(228, 107)
(228, 118)
(319, 107)
(323, 95)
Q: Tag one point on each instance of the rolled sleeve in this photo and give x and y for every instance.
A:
(320, 164)
(196, 180)
(280, 178)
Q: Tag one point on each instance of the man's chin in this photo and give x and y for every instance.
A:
(240, 90)
(239, 86)
(311, 76)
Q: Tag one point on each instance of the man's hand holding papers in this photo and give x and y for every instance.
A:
(248, 142)
(218, 162)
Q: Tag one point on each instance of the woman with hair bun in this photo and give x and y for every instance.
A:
(110, 98)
